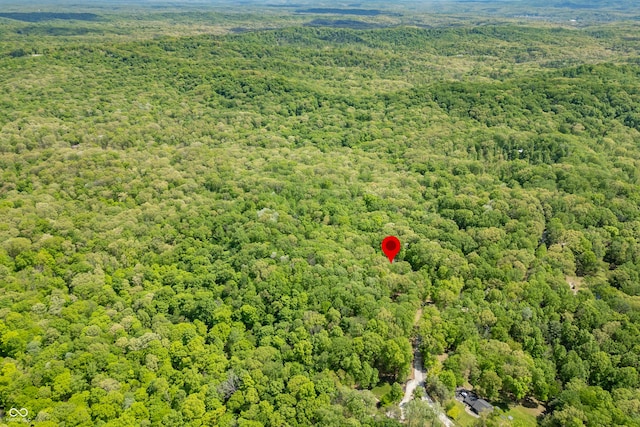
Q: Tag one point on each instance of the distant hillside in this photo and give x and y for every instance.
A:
(48, 16)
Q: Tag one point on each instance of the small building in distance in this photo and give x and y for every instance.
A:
(480, 406)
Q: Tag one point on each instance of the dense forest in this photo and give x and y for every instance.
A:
(190, 226)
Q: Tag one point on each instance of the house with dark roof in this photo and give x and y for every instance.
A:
(480, 406)
(477, 405)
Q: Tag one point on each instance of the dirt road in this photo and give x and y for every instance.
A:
(417, 380)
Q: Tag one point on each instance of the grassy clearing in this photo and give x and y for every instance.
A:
(574, 282)
(464, 419)
(523, 416)
(381, 390)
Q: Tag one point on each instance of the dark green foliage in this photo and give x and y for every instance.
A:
(191, 226)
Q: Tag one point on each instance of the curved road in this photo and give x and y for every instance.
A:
(419, 375)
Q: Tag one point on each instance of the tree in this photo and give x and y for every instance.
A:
(448, 378)
(418, 413)
(437, 389)
(193, 408)
(396, 358)
(394, 395)
(489, 385)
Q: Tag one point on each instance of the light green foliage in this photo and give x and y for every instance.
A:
(419, 414)
(454, 412)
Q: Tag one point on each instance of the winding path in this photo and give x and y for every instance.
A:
(417, 380)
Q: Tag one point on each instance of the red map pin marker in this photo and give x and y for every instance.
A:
(391, 247)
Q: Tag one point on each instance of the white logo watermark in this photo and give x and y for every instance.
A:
(22, 413)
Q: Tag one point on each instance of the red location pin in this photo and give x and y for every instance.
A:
(391, 247)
